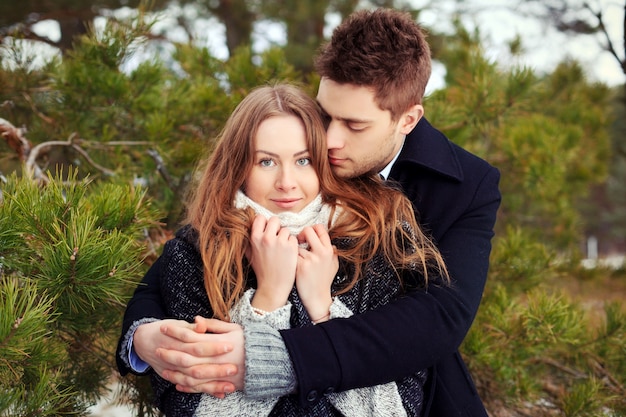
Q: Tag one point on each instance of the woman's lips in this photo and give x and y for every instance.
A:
(286, 203)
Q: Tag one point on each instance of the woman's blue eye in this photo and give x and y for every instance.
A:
(303, 161)
(266, 162)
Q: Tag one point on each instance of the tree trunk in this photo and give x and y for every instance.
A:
(238, 19)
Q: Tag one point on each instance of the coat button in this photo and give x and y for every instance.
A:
(312, 396)
(329, 391)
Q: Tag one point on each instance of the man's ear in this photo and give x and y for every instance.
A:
(409, 118)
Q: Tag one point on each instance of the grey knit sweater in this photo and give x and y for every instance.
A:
(379, 400)
(183, 293)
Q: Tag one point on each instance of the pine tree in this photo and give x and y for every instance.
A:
(70, 252)
(533, 349)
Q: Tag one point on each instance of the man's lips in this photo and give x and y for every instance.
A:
(336, 161)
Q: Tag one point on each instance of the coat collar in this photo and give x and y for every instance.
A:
(429, 148)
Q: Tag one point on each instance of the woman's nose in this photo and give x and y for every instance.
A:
(286, 179)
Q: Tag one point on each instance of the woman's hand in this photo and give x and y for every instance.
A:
(316, 269)
(273, 255)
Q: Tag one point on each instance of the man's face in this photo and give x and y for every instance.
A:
(361, 137)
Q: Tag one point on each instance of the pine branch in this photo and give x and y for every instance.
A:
(42, 116)
(36, 172)
(609, 44)
(99, 355)
(99, 167)
(104, 145)
(15, 139)
(606, 377)
(564, 368)
(162, 168)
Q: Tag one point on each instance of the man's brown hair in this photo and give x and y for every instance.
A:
(383, 49)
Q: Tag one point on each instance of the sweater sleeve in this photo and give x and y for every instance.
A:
(146, 303)
(238, 402)
(269, 371)
(127, 351)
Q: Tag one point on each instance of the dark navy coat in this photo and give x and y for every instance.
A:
(456, 198)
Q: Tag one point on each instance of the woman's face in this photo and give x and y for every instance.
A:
(282, 176)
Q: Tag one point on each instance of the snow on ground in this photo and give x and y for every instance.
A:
(106, 407)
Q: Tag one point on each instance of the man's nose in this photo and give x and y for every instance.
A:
(335, 136)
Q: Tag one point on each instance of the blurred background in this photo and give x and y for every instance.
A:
(106, 107)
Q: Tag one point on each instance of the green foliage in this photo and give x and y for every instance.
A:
(244, 71)
(548, 136)
(613, 220)
(583, 399)
(151, 123)
(68, 250)
(520, 262)
(70, 253)
(28, 352)
(542, 345)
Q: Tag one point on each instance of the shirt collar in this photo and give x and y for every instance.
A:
(387, 169)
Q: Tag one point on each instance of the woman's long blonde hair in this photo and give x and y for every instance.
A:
(373, 217)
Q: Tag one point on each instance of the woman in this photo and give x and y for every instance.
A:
(254, 242)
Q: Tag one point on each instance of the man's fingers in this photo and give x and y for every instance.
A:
(194, 355)
(182, 333)
(218, 389)
(176, 358)
(200, 375)
(204, 325)
(198, 342)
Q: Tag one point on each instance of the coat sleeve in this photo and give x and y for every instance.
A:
(413, 332)
(145, 303)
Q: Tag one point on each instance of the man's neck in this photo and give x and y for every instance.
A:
(387, 169)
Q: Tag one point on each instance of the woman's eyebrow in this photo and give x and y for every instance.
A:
(266, 152)
(275, 155)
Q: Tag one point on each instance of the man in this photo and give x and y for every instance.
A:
(374, 72)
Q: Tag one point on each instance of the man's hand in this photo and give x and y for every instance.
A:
(196, 361)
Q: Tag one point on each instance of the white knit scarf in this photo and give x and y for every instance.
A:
(316, 212)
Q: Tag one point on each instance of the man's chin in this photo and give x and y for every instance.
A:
(342, 172)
